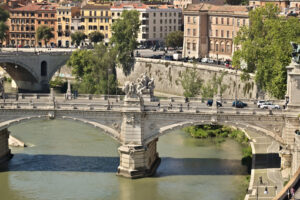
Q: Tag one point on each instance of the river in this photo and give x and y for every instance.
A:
(71, 160)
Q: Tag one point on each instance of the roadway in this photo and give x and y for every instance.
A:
(266, 166)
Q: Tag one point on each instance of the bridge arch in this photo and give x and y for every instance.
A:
(244, 126)
(107, 130)
(21, 67)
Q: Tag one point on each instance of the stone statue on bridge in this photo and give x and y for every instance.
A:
(143, 86)
(1, 87)
(296, 52)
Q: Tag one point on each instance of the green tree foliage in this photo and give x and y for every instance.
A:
(124, 38)
(4, 15)
(214, 86)
(175, 39)
(77, 37)
(44, 33)
(191, 83)
(96, 37)
(266, 48)
(94, 70)
(237, 2)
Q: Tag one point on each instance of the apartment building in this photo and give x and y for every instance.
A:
(66, 14)
(210, 30)
(96, 17)
(157, 21)
(46, 15)
(184, 3)
(282, 4)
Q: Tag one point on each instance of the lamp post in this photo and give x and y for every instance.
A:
(236, 87)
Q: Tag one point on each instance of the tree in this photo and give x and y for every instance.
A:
(94, 70)
(174, 39)
(44, 33)
(96, 37)
(4, 15)
(191, 83)
(266, 48)
(214, 86)
(77, 37)
(124, 38)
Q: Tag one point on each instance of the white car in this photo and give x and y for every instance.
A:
(268, 105)
(260, 102)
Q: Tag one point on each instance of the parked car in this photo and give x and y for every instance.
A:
(168, 57)
(269, 105)
(211, 61)
(204, 60)
(177, 56)
(210, 103)
(156, 56)
(260, 102)
(239, 104)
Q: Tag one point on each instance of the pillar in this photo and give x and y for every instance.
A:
(5, 153)
(137, 161)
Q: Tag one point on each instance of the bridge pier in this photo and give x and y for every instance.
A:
(137, 161)
(5, 153)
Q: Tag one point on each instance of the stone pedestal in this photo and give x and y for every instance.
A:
(5, 153)
(286, 163)
(293, 86)
(137, 161)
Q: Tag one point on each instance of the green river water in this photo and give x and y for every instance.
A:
(68, 160)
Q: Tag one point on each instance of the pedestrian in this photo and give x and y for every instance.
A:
(260, 180)
(266, 190)
(292, 192)
(158, 105)
(188, 105)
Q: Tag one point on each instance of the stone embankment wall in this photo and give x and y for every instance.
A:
(168, 75)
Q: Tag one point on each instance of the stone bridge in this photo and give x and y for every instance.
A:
(32, 71)
(137, 123)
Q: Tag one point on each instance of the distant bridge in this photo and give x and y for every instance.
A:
(33, 70)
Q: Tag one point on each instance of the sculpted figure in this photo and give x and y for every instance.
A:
(1, 86)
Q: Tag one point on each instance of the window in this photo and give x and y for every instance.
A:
(67, 27)
(194, 20)
(106, 27)
(188, 46)
(90, 19)
(40, 15)
(90, 13)
(166, 21)
(232, 21)
(106, 13)
(154, 21)
(222, 33)
(113, 14)
(101, 13)
(39, 22)
(166, 14)
(46, 15)
(82, 13)
(217, 47)
(106, 35)
(44, 68)
(194, 46)
(154, 35)
(222, 20)
(170, 14)
(227, 21)
(216, 33)
(154, 14)
(90, 27)
(188, 31)
(101, 27)
(211, 46)
(58, 19)
(238, 22)
(174, 14)
(194, 32)
(161, 29)
(216, 20)
(222, 46)
(244, 22)
(227, 34)
(94, 27)
(154, 29)
(95, 13)
(52, 15)
(228, 49)
(170, 21)
(161, 21)
(161, 14)
(188, 19)
(174, 21)
(106, 20)
(170, 28)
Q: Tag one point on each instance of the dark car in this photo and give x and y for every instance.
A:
(239, 104)
(156, 56)
(210, 103)
(168, 57)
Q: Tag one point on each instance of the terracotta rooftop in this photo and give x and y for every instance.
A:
(36, 7)
(140, 6)
(28, 7)
(95, 6)
(216, 8)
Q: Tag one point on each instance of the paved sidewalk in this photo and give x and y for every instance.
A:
(267, 166)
